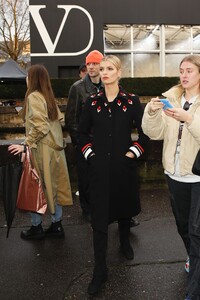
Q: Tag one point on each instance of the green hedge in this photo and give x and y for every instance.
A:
(17, 90)
(61, 86)
(12, 90)
(148, 86)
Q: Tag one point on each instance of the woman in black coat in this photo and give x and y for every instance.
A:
(112, 156)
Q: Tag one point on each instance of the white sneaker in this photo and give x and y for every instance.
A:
(77, 193)
(187, 265)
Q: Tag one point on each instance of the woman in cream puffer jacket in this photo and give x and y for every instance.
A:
(158, 126)
(178, 127)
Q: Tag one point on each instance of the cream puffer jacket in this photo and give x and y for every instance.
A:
(158, 126)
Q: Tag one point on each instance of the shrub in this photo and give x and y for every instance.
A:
(148, 86)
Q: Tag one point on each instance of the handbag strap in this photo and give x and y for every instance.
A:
(29, 157)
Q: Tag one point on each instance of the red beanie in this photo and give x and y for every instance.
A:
(94, 57)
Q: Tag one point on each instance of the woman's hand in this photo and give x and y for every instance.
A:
(130, 154)
(155, 104)
(179, 114)
(16, 149)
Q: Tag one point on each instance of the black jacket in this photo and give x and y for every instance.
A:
(78, 94)
(113, 176)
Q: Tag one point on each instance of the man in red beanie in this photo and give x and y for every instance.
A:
(94, 57)
(78, 94)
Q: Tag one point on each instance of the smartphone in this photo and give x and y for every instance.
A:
(166, 103)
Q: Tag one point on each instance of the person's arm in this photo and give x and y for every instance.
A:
(38, 119)
(39, 124)
(193, 127)
(72, 113)
(139, 146)
(84, 129)
(153, 123)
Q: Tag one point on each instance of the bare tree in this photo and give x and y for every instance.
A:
(14, 27)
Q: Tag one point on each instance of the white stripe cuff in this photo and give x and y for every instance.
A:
(87, 152)
(135, 151)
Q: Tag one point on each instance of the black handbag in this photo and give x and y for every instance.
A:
(196, 165)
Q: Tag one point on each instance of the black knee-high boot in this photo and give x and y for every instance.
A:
(124, 233)
(100, 268)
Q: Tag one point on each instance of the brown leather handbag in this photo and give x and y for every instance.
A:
(30, 193)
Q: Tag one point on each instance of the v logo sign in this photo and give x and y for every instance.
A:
(51, 46)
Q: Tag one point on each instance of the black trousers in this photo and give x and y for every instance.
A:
(124, 229)
(185, 201)
(83, 182)
(100, 240)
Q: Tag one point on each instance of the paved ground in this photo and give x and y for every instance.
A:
(61, 269)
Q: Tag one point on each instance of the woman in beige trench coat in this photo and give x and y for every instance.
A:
(44, 137)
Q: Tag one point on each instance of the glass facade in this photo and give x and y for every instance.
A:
(151, 50)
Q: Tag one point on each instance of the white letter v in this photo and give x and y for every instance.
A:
(35, 12)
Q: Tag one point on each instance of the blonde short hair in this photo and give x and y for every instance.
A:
(114, 60)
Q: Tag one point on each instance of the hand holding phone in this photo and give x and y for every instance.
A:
(166, 103)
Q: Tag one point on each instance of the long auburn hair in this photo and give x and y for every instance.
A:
(39, 80)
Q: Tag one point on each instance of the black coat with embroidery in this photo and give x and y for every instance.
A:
(113, 176)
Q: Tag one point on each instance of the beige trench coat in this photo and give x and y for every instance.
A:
(45, 138)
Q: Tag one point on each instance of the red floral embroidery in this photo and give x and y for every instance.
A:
(99, 109)
(94, 102)
(130, 101)
(124, 108)
(119, 102)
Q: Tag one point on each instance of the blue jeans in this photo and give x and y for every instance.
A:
(36, 218)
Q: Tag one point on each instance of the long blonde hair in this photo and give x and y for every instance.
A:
(193, 58)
